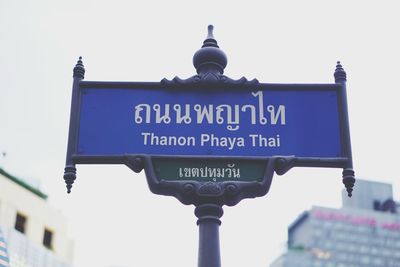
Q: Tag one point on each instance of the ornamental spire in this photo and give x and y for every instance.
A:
(209, 58)
(340, 74)
(210, 41)
(79, 70)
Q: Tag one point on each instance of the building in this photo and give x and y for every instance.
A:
(364, 232)
(34, 232)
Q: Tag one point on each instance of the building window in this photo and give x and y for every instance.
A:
(48, 239)
(377, 205)
(20, 223)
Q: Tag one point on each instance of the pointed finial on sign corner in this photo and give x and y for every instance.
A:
(339, 66)
(340, 74)
(349, 180)
(69, 177)
(79, 69)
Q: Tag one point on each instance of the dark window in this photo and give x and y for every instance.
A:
(20, 223)
(377, 205)
(48, 239)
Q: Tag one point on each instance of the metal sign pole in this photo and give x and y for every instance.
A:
(209, 222)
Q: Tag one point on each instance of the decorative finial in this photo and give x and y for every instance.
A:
(210, 62)
(340, 74)
(210, 32)
(69, 177)
(79, 70)
(210, 41)
(348, 180)
(209, 58)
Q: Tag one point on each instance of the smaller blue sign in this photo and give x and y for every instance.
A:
(262, 121)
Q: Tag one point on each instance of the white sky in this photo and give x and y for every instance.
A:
(113, 217)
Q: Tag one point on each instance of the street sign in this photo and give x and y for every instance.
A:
(204, 124)
(258, 121)
(209, 140)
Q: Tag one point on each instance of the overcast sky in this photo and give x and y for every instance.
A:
(113, 217)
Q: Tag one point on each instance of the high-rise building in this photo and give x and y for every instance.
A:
(33, 233)
(364, 232)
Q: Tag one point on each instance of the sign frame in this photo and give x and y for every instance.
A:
(197, 192)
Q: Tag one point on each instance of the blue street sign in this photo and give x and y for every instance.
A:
(209, 140)
(152, 119)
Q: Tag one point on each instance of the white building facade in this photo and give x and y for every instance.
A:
(364, 232)
(34, 232)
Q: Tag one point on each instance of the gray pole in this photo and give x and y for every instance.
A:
(209, 222)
